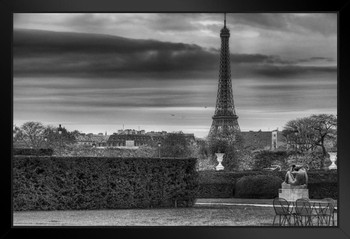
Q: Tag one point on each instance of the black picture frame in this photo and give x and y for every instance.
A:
(342, 8)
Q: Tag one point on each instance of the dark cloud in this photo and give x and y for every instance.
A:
(289, 71)
(325, 24)
(311, 59)
(260, 20)
(174, 22)
(158, 22)
(43, 52)
(321, 86)
(257, 58)
(80, 54)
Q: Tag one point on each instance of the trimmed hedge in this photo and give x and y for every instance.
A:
(229, 177)
(216, 190)
(63, 183)
(221, 184)
(321, 190)
(264, 158)
(29, 151)
(216, 184)
(258, 186)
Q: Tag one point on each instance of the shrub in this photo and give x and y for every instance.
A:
(217, 184)
(312, 159)
(230, 159)
(206, 164)
(28, 151)
(84, 151)
(319, 190)
(216, 190)
(322, 176)
(64, 183)
(202, 149)
(232, 147)
(259, 186)
(206, 177)
(175, 145)
(265, 158)
(222, 184)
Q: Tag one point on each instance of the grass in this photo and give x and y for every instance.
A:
(223, 216)
(226, 216)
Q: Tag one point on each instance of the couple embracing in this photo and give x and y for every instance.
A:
(296, 176)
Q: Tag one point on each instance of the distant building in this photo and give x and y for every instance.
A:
(128, 140)
(99, 140)
(268, 140)
(130, 131)
(159, 133)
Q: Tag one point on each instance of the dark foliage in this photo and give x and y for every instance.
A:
(232, 147)
(264, 158)
(175, 145)
(322, 176)
(221, 184)
(216, 190)
(319, 190)
(218, 145)
(203, 148)
(259, 186)
(206, 177)
(67, 183)
(28, 151)
(231, 158)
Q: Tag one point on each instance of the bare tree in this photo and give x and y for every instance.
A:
(324, 126)
(31, 133)
(308, 133)
(298, 134)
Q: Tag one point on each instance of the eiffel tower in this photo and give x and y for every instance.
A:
(225, 117)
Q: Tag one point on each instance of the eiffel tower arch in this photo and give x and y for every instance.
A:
(225, 119)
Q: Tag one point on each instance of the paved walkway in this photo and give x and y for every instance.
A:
(217, 202)
(234, 200)
(202, 202)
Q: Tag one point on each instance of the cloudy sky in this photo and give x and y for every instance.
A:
(98, 72)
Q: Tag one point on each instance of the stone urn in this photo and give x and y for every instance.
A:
(333, 158)
(219, 157)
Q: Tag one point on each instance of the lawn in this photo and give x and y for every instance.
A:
(223, 216)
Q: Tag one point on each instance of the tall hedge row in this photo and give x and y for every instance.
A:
(258, 186)
(61, 183)
(221, 184)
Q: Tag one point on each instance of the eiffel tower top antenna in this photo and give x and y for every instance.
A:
(225, 19)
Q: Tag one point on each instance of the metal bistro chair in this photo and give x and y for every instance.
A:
(325, 213)
(303, 212)
(282, 210)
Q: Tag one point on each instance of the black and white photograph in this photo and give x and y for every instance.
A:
(175, 119)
